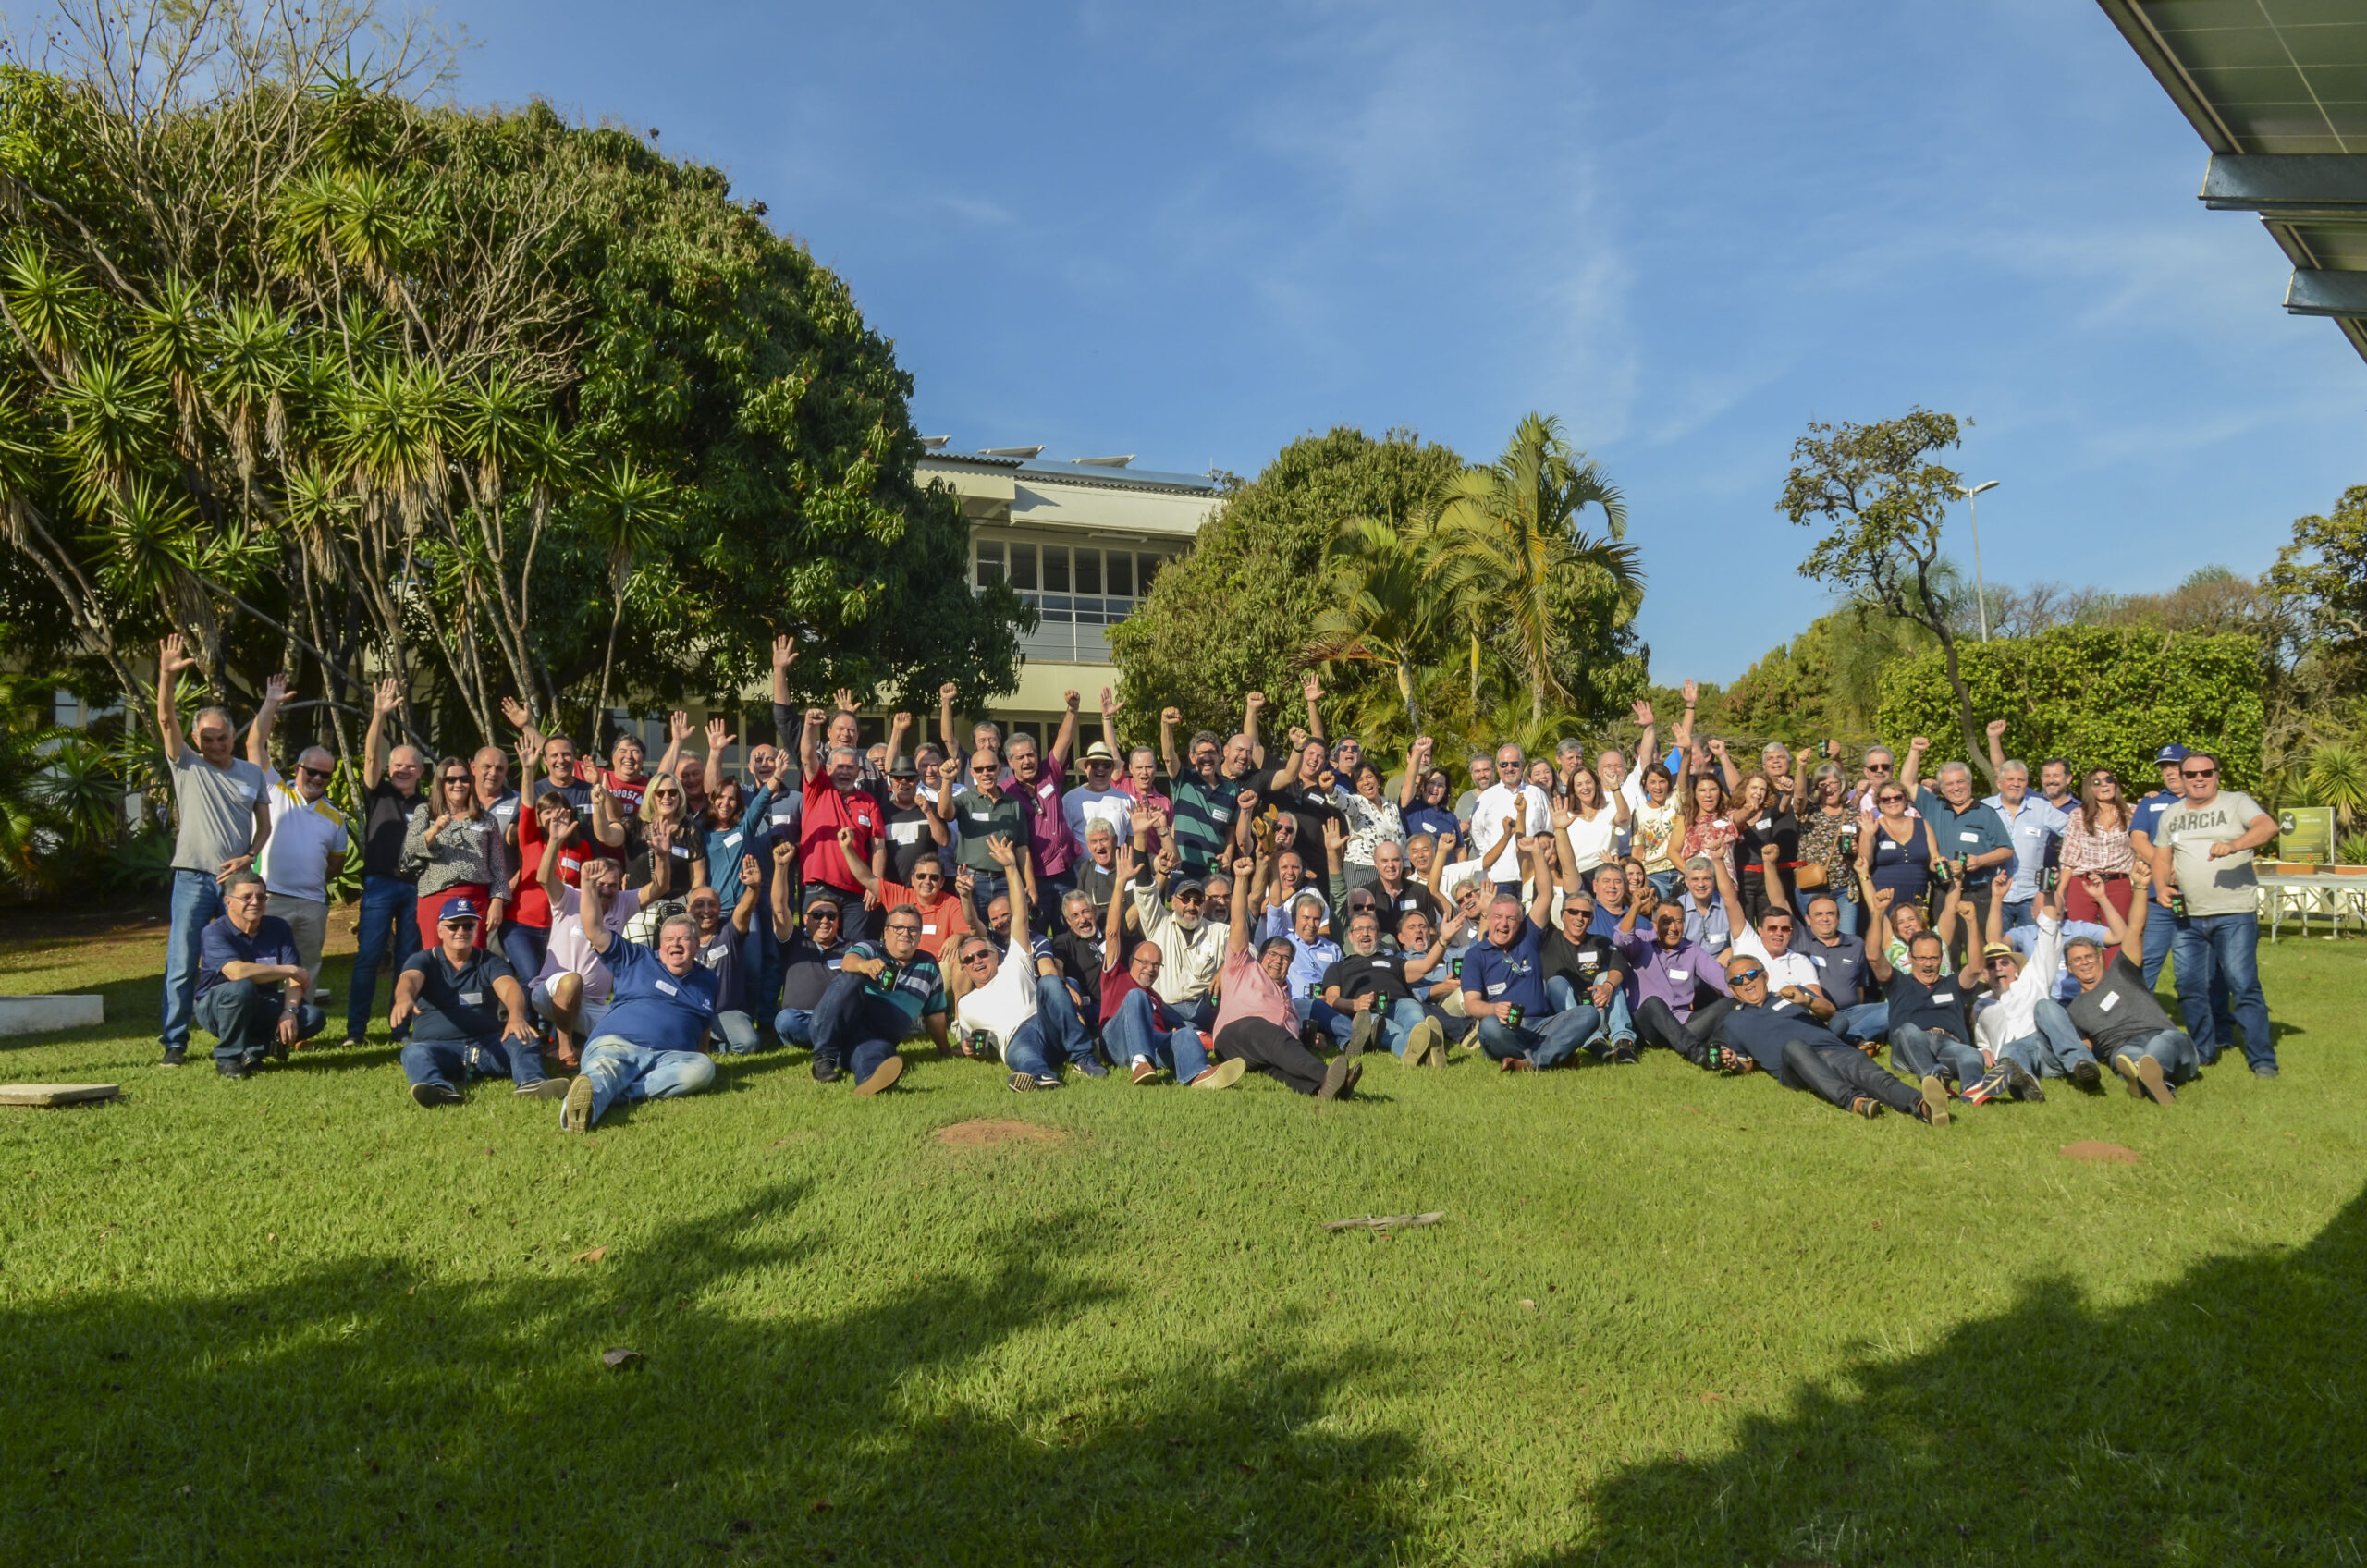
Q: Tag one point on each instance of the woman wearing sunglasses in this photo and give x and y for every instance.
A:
(454, 847)
(2095, 844)
(1896, 852)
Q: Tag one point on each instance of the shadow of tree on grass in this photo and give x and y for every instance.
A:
(2220, 1420)
(368, 1411)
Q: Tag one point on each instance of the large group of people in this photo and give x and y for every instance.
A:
(1192, 908)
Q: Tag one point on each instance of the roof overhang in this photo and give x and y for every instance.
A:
(2277, 91)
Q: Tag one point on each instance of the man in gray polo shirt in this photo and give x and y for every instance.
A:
(225, 819)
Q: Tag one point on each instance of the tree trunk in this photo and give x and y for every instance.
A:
(1975, 752)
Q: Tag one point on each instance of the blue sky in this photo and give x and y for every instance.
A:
(1197, 232)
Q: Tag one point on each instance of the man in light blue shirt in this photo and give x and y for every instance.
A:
(2032, 824)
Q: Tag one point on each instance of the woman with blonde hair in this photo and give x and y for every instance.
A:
(663, 801)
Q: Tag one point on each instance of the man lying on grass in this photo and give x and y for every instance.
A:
(1778, 1033)
(2116, 1011)
(1010, 1009)
(467, 1015)
(652, 1044)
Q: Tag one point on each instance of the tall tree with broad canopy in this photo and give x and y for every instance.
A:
(1882, 502)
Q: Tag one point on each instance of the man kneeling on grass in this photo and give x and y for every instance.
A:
(1256, 1024)
(652, 1043)
(251, 991)
(887, 991)
(467, 1015)
(1779, 1035)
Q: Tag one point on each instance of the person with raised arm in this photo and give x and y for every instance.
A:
(2021, 1029)
(1003, 1009)
(573, 986)
(1504, 978)
(1931, 1033)
(653, 1042)
(1141, 1030)
(306, 847)
(2116, 1011)
(387, 923)
(1256, 1024)
(454, 849)
(1774, 1032)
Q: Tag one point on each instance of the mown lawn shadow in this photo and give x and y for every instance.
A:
(368, 1411)
(2220, 1420)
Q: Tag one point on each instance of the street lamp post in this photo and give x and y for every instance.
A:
(1980, 593)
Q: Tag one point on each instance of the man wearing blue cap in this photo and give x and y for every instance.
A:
(467, 1014)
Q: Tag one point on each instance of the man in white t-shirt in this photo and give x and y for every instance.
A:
(2203, 872)
(1099, 798)
(575, 984)
(1000, 1008)
(1507, 800)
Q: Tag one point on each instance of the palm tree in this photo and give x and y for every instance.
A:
(629, 511)
(2337, 778)
(1380, 609)
(1510, 539)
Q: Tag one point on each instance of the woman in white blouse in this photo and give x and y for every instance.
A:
(1371, 817)
(1595, 822)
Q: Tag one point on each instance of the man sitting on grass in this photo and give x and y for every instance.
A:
(1005, 1006)
(887, 989)
(251, 992)
(652, 1044)
(467, 1015)
(2116, 1011)
(1504, 978)
(1255, 1022)
(1780, 1035)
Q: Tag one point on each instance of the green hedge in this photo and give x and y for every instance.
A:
(2095, 695)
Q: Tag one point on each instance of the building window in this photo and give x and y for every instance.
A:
(1076, 590)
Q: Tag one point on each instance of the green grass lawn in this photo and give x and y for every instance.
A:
(1669, 1318)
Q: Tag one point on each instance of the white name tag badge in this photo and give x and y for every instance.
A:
(1762, 824)
(681, 851)
(472, 999)
(1970, 838)
(666, 989)
(1817, 959)
(1715, 941)
(731, 841)
(2112, 1000)
(782, 818)
(905, 833)
(927, 929)
(1220, 814)
(1943, 996)
(1779, 1004)
(1680, 974)
(1497, 988)
(719, 952)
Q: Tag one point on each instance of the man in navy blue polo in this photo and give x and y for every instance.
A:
(651, 1044)
(1967, 831)
(252, 990)
(1778, 1035)
(467, 1015)
(1504, 978)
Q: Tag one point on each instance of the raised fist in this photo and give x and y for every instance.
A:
(1996, 728)
(1171, 716)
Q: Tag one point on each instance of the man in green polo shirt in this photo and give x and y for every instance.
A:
(1207, 790)
(982, 814)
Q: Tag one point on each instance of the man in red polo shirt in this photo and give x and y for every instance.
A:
(837, 800)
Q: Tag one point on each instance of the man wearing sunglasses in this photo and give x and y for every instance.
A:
(1005, 1007)
(309, 836)
(1779, 1036)
(888, 991)
(2202, 851)
(467, 1017)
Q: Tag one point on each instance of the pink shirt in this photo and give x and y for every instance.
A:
(570, 951)
(1048, 826)
(1250, 992)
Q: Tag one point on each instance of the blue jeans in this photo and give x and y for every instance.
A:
(620, 1070)
(2054, 1048)
(2172, 1048)
(1919, 1053)
(738, 1031)
(454, 1062)
(2018, 914)
(1867, 1021)
(2160, 931)
(854, 1030)
(1552, 1041)
(197, 903)
(1847, 905)
(2217, 957)
(1617, 1025)
(1665, 884)
(525, 946)
(1039, 1045)
(794, 1025)
(1143, 1030)
(389, 920)
(244, 1017)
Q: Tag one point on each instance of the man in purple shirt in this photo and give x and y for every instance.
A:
(1669, 969)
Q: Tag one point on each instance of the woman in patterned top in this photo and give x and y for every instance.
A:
(455, 847)
(1825, 812)
(1708, 829)
(1657, 821)
(2096, 841)
(1371, 817)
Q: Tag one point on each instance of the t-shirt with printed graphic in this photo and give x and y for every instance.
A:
(2226, 886)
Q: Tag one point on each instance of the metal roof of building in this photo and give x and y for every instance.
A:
(2277, 91)
(1093, 475)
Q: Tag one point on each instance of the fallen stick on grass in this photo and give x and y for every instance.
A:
(1385, 1221)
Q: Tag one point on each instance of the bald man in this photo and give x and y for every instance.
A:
(489, 776)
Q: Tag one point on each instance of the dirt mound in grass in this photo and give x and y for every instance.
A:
(984, 1134)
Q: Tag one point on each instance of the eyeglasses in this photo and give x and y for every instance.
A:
(977, 955)
(456, 779)
(313, 772)
(1890, 799)
(1877, 768)
(461, 921)
(814, 917)
(909, 927)
(2196, 772)
(1744, 976)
